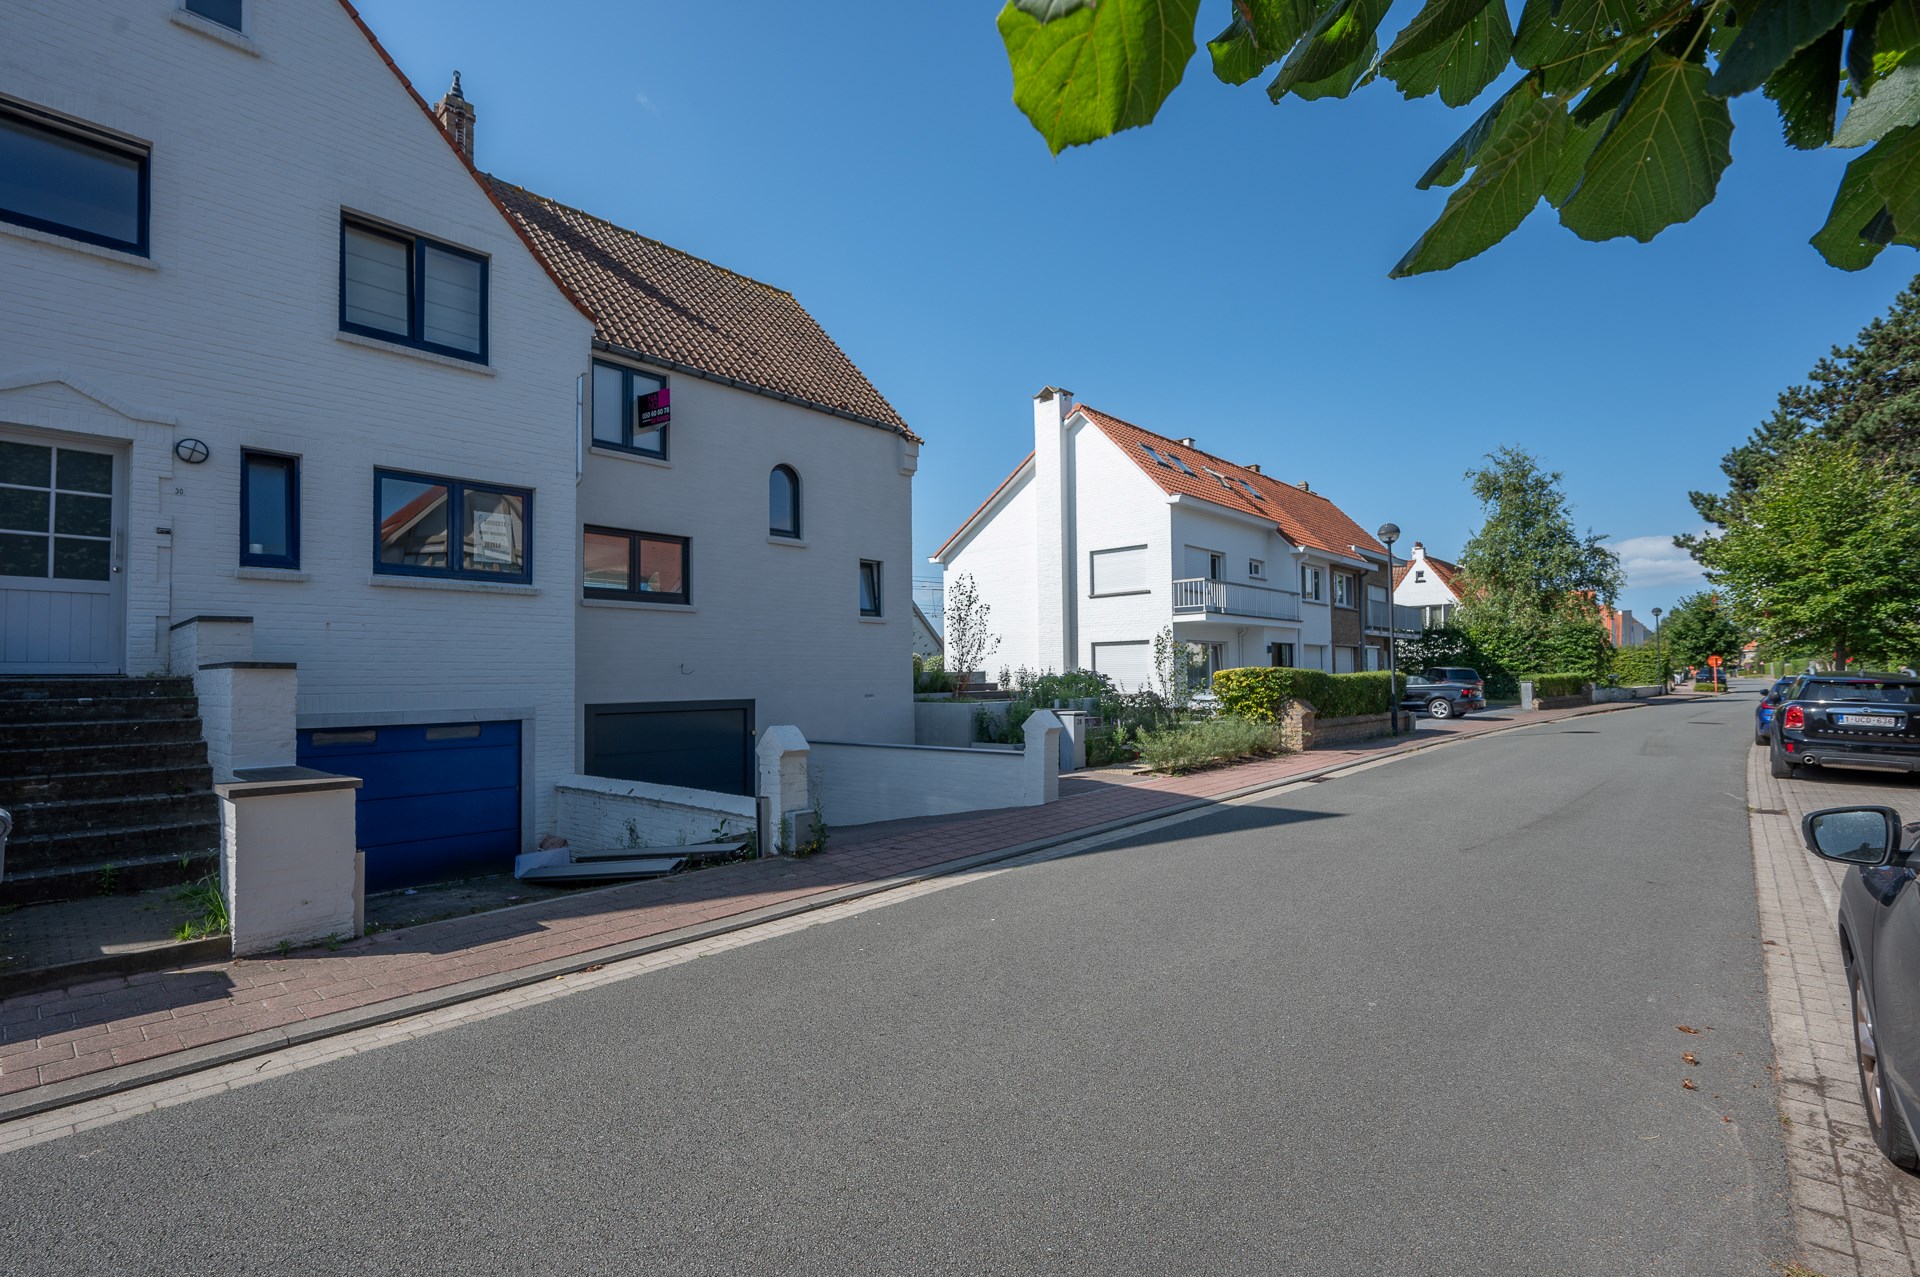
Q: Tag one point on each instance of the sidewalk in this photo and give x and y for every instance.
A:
(62, 1046)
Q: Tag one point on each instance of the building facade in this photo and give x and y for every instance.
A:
(1109, 534)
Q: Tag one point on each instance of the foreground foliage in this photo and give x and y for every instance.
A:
(1259, 694)
(1617, 117)
(1186, 746)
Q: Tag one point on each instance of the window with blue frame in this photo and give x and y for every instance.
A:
(632, 410)
(783, 503)
(269, 510)
(228, 13)
(71, 181)
(412, 290)
(429, 526)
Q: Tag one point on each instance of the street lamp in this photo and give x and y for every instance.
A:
(1656, 652)
(1388, 534)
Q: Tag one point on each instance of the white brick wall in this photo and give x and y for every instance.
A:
(855, 784)
(999, 555)
(596, 814)
(230, 335)
(770, 620)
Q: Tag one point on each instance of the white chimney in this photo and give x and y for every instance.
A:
(1053, 468)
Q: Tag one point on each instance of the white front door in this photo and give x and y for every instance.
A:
(60, 525)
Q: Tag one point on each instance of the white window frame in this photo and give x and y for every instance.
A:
(1312, 583)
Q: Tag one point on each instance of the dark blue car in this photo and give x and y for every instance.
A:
(1880, 941)
(1763, 714)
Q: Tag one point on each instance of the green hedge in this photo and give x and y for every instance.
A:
(1257, 693)
(1557, 684)
(1640, 666)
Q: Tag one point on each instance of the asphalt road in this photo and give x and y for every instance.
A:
(1421, 1019)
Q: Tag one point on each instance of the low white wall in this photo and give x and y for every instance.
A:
(952, 723)
(857, 784)
(287, 859)
(247, 714)
(1602, 695)
(594, 813)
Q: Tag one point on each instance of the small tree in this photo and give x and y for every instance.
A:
(1701, 627)
(968, 641)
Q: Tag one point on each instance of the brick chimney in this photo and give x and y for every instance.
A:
(455, 114)
(1255, 467)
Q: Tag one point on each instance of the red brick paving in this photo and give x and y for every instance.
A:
(55, 1035)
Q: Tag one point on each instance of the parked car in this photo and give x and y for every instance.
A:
(1455, 674)
(1763, 714)
(1880, 942)
(1870, 720)
(1442, 698)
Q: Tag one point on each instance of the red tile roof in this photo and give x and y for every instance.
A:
(1304, 518)
(671, 306)
(1448, 573)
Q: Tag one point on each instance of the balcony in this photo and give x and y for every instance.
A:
(1223, 598)
(1405, 619)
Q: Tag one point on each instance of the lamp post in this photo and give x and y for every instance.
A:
(1656, 652)
(1388, 534)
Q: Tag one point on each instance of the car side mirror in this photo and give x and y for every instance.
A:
(1853, 835)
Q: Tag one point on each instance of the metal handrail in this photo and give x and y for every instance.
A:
(1233, 598)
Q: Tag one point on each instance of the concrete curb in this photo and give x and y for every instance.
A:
(196, 1059)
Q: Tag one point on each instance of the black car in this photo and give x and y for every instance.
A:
(1880, 940)
(1442, 698)
(1868, 720)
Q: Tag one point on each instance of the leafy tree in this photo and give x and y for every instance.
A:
(1700, 627)
(964, 622)
(1618, 117)
(1866, 395)
(1177, 666)
(1531, 583)
(1821, 556)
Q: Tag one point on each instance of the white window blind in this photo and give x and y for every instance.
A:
(1119, 571)
(1129, 665)
(376, 281)
(452, 314)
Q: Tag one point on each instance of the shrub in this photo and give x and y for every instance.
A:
(1557, 684)
(1640, 666)
(1185, 746)
(930, 675)
(1257, 694)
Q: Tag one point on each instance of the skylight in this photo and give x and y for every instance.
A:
(1183, 466)
(1251, 490)
(1224, 482)
(1148, 449)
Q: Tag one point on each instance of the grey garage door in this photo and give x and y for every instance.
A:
(695, 744)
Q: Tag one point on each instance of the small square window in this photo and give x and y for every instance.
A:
(269, 510)
(426, 526)
(1310, 584)
(869, 588)
(631, 410)
(1257, 569)
(228, 13)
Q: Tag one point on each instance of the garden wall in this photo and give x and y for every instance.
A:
(854, 783)
(594, 813)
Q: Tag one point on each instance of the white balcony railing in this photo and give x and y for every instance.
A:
(1405, 619)
(1228, 598)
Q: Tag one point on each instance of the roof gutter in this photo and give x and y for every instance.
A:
(674, 365)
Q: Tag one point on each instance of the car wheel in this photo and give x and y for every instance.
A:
(1777, 765)
(1883, 1115)
(1762, 739)
(1440, 707)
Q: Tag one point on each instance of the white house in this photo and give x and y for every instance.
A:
(1107, 534)
(270, 350)
(1428, 584)
(745, 516)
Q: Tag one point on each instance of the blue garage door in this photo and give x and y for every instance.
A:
(436, 802)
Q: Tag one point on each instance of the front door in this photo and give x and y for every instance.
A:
(60, 610)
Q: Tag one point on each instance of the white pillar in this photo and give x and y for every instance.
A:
(784, 800)
(1042, 758)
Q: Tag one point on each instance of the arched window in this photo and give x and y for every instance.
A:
(783, 502)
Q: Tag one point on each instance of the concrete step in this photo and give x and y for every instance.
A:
(17, 791)
(87, 818)
(126, 843)
(114, 685)
(101, 732)
(103, 876)
(78, 760)
(29, 710)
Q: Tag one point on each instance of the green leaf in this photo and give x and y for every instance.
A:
(1094, 71)
(1572, 164)
(1336, 43)
(1236, 59)
(1855, 204)
(1571, 40)
(1436, 24)
(1806, 89)
(1892, 103)
(1898, 28)
(1773, 32)
(1861, 42)
(1261, 33)
(1660, 159)
(1453, 163)
(1461, 64)
(1896, 177)
(1513, 172)
(1049, 10)
(1345, 79)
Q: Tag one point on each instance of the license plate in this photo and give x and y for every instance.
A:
(1868, 720)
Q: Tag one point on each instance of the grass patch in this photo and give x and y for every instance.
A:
(211, 902)
(1207, 743)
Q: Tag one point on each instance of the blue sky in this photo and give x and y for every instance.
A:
(1222, 274)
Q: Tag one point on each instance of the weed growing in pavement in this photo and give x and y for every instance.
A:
(212, 919)
(332, 941)
(107, 880)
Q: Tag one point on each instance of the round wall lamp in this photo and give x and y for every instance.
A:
(192, 451)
